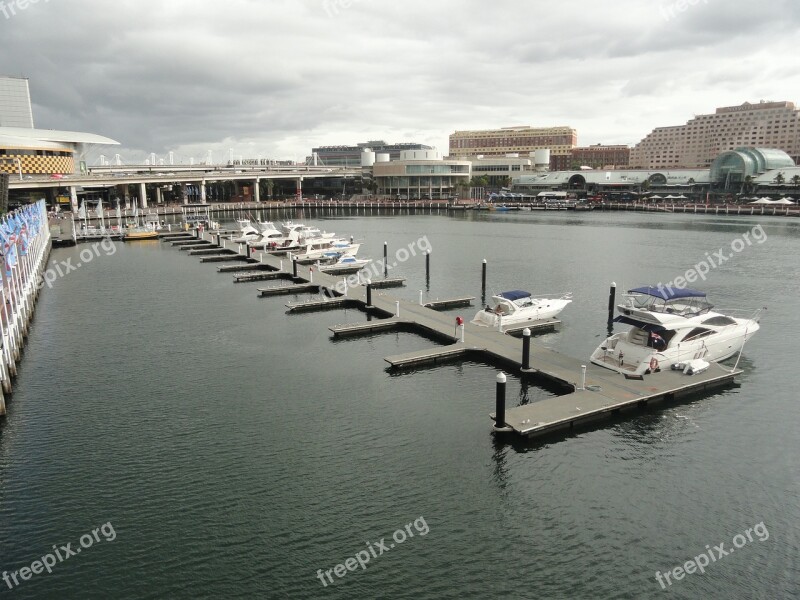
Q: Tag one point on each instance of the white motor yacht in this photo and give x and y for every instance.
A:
(517, 306)
(671, 328)
(247, 233)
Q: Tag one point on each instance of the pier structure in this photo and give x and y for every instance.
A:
(27, 247)
(586, 392)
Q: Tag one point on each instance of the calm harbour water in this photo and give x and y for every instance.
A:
(237, 450)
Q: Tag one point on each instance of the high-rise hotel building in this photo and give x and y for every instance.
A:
(696, 144)
(509, 140)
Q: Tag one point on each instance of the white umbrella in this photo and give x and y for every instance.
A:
(783, 201)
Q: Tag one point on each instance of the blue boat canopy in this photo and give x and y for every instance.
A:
(514, 295)
(667, 292)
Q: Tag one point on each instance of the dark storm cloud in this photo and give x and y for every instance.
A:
(275, 78)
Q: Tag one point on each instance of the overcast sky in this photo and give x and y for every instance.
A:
(273, 78)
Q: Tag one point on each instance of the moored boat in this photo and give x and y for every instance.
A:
(518, 306)
(671, 328)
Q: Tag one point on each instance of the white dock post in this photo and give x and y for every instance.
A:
(344, 280)
(310, 274)
(462, 332)
(397, 309)
(500, 323)
(420, 298)
(262, 258)
(583, 377)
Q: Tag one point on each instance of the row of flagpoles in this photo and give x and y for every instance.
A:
(25, 239)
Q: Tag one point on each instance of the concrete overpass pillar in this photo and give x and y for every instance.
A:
(184, 194)
(73, 198)
(159, 198)
(143, 195)
(257, 192)
(203, 191)
(299, 188)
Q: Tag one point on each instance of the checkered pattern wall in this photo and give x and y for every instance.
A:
(37, 165)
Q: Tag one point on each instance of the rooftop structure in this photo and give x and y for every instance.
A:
(733, 168)
(15, 103)
(350, 156)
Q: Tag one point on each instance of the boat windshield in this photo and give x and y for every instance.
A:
(685, 307)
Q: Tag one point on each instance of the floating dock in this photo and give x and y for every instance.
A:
(603, 393)
(453, 303)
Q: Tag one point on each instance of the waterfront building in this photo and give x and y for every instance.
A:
(421, 174)
(350, 156)
(697, 143)
(736, 172)
(634, 182)
(735, 169)
(523, 140)
(500, 170)
(597, 156)
(25, 151)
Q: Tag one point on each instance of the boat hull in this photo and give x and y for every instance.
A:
(618, 354)
(488, 318)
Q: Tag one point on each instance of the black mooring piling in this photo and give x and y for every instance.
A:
(500, 404)
(612, 294)
(526, 349)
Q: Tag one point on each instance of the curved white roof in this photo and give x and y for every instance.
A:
(54, 135)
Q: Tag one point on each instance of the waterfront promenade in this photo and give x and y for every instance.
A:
(218, 209)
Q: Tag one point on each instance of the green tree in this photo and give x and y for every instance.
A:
(480, 181)
(779, 179)
(796, 180)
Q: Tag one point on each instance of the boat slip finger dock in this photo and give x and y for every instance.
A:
(588, 392)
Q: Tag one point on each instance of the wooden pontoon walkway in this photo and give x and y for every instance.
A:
(606, 392)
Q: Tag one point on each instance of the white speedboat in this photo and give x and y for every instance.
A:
(671, 329)
(246, 234)
(517, 306)
(319, 249)
(346, 263)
